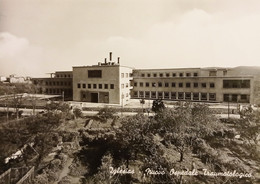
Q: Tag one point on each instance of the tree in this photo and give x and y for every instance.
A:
(142, 102)
(158, 105)
(77, 112)
(106, 113)
(185, 126)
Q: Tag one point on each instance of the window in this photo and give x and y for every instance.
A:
(212, 85)
(94, 73)
(173, 84)
(167, 75)
(159, 84)
(236, 83)
(122, 75)
(135, 94)
(226, 97)
(195, 96)
(180, 95)
(94, 86)
(187, 74)
(204, 85)
(148, 75)
(166, 95)
(187, 85)
(181, 74)
(65, 76)
(65, 83)
(141, 84)
(180, 85)
(155, 75)
(142, 75)
(147, 84)
(166, 84)
(204, 96)
(126, 75)
(46, 83)
(83, 95)
(173, 95)
(153, 84)
(212, 73)
(147, 94)
(89, 86)
(141, 94)
(243, 97)
(161, 74)
(212, 96)
(100, 86)
(153, 94)
(173, 74)
(79, 85)
(187, 96)
(225, 72)
(195, 74)
(83, 85)
(111, 86)
(58, 83)
(126, 85)
(122, 85)
(135, 84)
(195, 84)
(106, 86)
(58, 76)
(160, 94)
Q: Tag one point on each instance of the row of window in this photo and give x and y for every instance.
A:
(58, 91)
(175, 95)
(174, 84)
(57, 83)
(63, 76)
(195, 74)
(126, 75)
(95, 86)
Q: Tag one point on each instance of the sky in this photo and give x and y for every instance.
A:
(42, 36)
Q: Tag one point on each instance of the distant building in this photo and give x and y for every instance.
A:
(240, 84)
(60, 83)
(107, 82)
(110, 82)
(2, 79)
(17, 79)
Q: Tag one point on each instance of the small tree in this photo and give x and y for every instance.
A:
(158, 105)
(77, 112)
(106, 113)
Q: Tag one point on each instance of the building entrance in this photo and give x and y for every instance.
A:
(94, 97)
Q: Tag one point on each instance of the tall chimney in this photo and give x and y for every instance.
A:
(118, 60)
(110, 56)
(105, 60)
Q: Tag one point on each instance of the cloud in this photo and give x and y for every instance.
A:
(11, 45)
(19, 56)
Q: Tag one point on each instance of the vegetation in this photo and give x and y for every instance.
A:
(106, 113)
(186, 138)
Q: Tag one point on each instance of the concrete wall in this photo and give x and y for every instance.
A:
(110, 75)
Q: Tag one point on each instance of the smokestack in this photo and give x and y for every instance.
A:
(105, 60)
(110, 56)
(118, 60)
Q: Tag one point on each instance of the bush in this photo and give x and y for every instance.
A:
(106, 113)
(77, 112)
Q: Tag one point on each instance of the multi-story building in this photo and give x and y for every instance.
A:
(240, 84)
(60, 83)
(107, 82)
